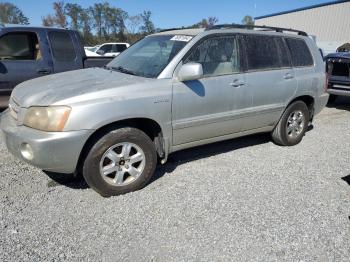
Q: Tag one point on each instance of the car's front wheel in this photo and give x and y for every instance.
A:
(120, 162)
(293, 124)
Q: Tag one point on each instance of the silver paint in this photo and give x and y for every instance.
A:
(190, 113)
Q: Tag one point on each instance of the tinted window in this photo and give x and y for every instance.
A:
(62, 46)
(19, 46)
(121, 48)
(107, 48)
(300, 53)
(283, 53)
(261, 52)
(218, 56)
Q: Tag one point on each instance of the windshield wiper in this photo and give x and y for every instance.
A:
(122, 70)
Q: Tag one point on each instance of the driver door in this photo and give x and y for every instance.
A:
(21, 59)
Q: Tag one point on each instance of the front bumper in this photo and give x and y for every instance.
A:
(338, 92)
(339, 86)
(52, 151)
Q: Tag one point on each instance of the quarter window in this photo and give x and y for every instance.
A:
(300, 53)
(19, 46)
(218, 56)
(261, 52)
(62, 46)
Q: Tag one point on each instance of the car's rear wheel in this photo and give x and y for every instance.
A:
(120, 162)
(293, 124)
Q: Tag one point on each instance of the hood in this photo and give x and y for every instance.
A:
(73, 86)
(345, 55)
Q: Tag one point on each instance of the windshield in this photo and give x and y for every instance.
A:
(149, 57)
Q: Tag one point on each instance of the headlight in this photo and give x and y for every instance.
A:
(51, 119)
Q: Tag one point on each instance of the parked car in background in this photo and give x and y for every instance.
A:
(338, 69)
(30, 52)
(344, 48)
(90, 53)
(111, 49)
(170, 91)
(91, 48)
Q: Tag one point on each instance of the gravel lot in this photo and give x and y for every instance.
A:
(245, 199)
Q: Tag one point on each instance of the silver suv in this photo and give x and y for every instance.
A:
(170, 91)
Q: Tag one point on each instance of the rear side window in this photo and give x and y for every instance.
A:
(120, 48)
(283, 52)
(217, 55)
(261, 52)
(300, 52)
(62, 46)
(107, 48)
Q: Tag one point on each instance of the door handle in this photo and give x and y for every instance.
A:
(237, 83)
(288, 76)
(44, 71)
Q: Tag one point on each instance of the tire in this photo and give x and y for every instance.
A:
(332, 99)
(285, 133)
(110, 154)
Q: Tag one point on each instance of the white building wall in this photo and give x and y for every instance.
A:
(330, 24)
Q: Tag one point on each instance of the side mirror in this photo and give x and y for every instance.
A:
(100, 52)
(190, 71)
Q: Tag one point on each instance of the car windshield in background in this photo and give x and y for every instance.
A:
(149, 57)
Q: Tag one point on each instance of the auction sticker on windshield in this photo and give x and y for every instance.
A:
(184, 38)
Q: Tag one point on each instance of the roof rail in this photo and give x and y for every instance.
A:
(172, 29)
(266, 28)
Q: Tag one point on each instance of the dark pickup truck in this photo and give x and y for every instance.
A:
(338, 69)
(30, 52)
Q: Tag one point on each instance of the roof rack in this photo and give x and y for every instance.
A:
(172, 29)
(266, 28)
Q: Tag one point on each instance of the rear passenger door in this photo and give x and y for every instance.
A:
(270, 79)
(64, 54)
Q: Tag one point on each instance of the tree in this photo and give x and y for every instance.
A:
(86, 22)
(134, 24)
(60, 16)
(121, 18)
(206, 22)
(248, 20)
(100, 22)
(73, 11)
(11, 14)
(212, 20)
(48, 20)
(148, 26)
(114, 21)
(97, 14)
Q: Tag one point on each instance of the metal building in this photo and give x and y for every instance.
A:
(328, 22)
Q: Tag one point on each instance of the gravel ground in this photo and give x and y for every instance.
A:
(242, 200)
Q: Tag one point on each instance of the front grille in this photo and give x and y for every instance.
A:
(14, 108)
